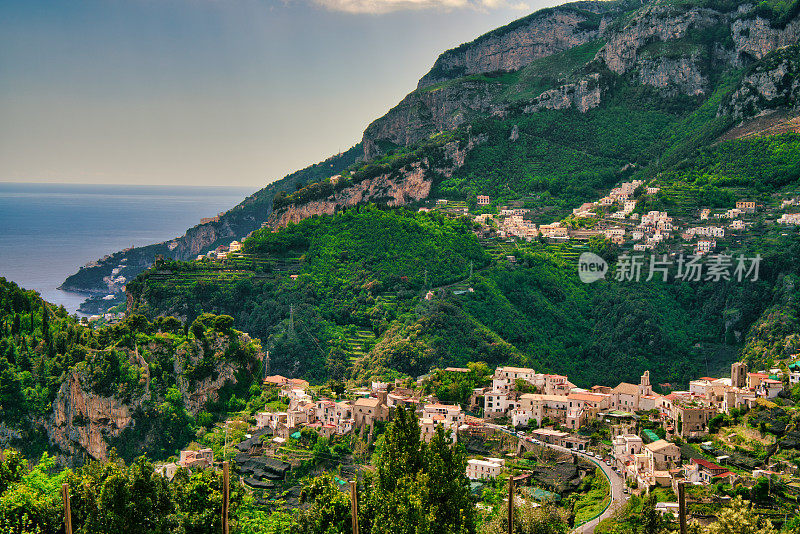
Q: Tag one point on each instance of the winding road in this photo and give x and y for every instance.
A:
(617, 484)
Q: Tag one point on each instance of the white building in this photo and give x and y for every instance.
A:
(484, 469)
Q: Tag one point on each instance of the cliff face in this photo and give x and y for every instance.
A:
(413, 184)
(668, 46)
(773, 84)
(680, 67)
(755, 37)
(582, 96)
(424, 113)
(83, 422)
(512, 47)
(652, 23)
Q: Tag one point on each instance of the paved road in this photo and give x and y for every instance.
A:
(618, 496)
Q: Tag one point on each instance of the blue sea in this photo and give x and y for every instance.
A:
(47, 231)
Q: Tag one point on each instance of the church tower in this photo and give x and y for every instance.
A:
(739, 374)
(644, 385)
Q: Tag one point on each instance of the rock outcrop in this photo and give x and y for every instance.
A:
(652, 23)
(424, 113)
(755, 37)
(771, 85)
(411, 183)
(414, 183)
(83, 422)
(581, 96)
(538, 35)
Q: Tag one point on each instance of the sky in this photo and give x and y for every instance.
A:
(211, 92)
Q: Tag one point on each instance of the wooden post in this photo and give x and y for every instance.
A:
(354, 505)
(225, 496)
(510, 505)
(682, 506)
(67, 509)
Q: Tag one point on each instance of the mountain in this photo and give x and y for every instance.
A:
(698, 100)
(136, 386)
(590, 88)
(97, 277)
(564, 103)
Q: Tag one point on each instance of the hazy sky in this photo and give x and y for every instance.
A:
(232, 92)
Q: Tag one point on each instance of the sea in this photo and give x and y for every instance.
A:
(48, 231)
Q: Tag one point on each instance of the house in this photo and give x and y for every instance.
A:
(483, 200)
(662, 455)
(706, 245)
(368, 410)
(794, 373)
(627, 445)
(610, 233)
(704, 472)
(484, 469)
(627, 397)
(704, 213)
(748, 206)
(691, 418)
(770, 388)
(505, 378)
(449, 416)
(202, 458)
(754, 380)
(537, 406)
(427, 427)
(554, 230)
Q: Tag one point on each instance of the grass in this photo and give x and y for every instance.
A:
(594, 501)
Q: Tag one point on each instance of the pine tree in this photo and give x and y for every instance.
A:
(651, 520)
(46, 325)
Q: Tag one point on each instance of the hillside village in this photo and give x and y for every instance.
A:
(646, 441)
(618, 217)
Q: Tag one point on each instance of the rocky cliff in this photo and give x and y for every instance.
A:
(410, 183)
(424, 113)
(83, 422)
(669, 46)
(538, 35)
(677, 48)
(582, 96)
(413, 184)
(773, 84)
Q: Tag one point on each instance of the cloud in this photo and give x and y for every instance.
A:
(388, 6)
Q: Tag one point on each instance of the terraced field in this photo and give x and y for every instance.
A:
(359, 343)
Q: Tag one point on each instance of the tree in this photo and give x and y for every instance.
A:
(45, 324)
(651, 520)
(329, 512)
(417, 488)
(529, 519)
(223, 323)
(738, 518)
(449, 495)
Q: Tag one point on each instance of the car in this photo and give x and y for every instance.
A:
(608, 462)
